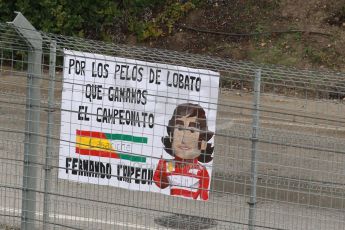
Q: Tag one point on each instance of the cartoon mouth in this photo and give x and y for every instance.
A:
(184, 148)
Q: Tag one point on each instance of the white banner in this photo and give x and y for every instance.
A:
(138, 125)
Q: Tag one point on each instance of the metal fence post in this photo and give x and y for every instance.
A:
(255, 135)
(48, 159)
(32, 126)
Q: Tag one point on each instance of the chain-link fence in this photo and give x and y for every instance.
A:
(278, 159)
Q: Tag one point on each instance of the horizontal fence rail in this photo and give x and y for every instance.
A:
(284, 171)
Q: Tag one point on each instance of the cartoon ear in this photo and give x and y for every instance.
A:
(203, 145)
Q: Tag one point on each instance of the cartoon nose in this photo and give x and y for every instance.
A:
(183, 136)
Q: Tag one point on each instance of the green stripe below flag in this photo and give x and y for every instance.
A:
(125, 137)
(126, 156)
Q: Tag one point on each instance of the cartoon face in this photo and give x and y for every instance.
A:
(185, 143)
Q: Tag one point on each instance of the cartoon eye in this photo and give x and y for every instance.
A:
(179, 127)
(193, 130)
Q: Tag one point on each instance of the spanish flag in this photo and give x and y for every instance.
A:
(98, 144)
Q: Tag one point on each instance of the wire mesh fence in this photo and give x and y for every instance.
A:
(300, 173)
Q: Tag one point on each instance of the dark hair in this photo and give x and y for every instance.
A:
(190, 110)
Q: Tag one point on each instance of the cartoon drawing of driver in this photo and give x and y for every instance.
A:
(187, 139)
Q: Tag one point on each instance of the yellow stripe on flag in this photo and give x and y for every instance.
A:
(93, 143)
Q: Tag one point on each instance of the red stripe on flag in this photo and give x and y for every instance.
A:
(91, 134)
(96, 153)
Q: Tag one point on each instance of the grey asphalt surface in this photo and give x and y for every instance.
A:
(300, 183)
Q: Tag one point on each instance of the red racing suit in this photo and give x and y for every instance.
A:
(186, 178)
